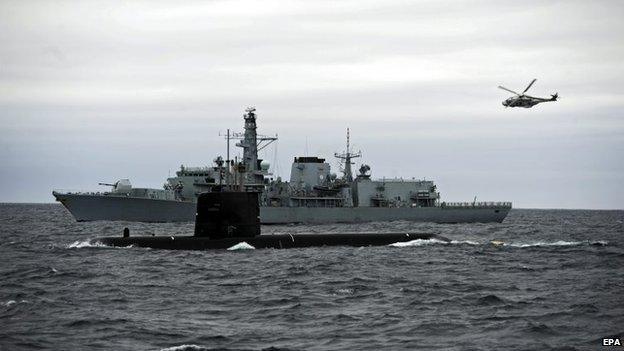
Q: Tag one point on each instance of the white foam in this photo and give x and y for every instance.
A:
(555, 243)
(563, 243)
(345, 291)
(464, 242)
(93, 243)
(13, 302)
(418, 242)
(242, 246)
(85, 243)
(183, 348)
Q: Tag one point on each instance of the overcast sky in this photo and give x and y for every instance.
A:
(94, 91)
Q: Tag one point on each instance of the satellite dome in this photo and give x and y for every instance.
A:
(264, 165)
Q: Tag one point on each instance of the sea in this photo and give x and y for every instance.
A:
(541, 280)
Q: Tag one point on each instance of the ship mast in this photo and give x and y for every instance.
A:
(346, 157)
(251, 143)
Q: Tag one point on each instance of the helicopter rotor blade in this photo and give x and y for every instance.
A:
(509, 90)
(530, 84)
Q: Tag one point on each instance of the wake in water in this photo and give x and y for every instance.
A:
(91, 243)
(423, 242)
(241, 246)
(185, 348)
(558, 243)
(84, 243)
(419, 242)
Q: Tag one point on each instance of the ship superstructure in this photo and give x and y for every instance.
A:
(313, 194)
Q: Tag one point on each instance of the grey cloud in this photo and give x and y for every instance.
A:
(93, 91)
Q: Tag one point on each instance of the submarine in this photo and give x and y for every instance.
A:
(225, 219)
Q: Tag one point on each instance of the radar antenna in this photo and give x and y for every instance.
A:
(251, 142)
(346, 157)
(262, 141)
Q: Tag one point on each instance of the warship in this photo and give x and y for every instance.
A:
(313, 194)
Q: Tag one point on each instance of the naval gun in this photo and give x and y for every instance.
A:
(225, 219)
(120, 186)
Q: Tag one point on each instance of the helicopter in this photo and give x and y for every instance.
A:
(526, 101)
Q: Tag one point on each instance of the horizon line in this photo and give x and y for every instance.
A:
(513, 208)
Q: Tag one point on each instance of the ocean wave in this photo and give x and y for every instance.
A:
(418, 242)
(192, 347)
(84, 243)
(421, 242)
(465, 242)
(185, 347)
(242, 246)
(540, 328)
(90, 243)
(490, 300)
(14, 302)
(346, 291)
(557, 243)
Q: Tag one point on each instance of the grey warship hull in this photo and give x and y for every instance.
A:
(92, 207)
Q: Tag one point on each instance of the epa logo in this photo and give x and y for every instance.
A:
(611, 342)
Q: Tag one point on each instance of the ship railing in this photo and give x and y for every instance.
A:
(78, 192)
(197, 169)
(488, 204)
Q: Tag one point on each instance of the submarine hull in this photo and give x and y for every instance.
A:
(277, 241)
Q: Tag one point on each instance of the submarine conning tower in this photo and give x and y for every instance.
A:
(227, 214)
